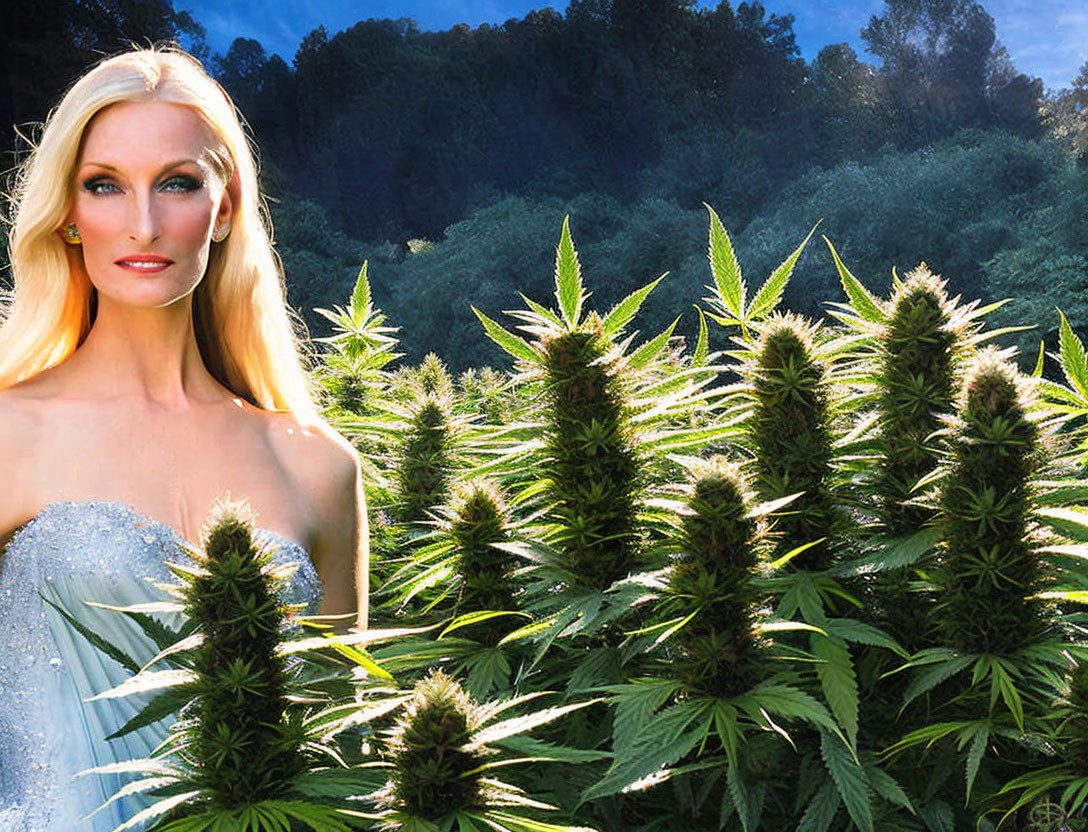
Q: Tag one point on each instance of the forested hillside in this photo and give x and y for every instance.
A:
(441, 156)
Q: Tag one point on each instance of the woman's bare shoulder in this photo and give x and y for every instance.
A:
(320, 458)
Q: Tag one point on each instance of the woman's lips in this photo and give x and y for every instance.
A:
(144, 264)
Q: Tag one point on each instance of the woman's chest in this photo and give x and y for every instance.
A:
(172, 469)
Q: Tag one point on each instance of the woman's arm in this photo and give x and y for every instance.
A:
(345, 545)
(339, 545)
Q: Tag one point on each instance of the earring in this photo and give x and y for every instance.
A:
(220, 233)
(71, 235)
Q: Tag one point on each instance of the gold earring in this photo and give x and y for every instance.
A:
(220, 233)
(71, 235)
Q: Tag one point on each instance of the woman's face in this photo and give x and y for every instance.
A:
(146, 199)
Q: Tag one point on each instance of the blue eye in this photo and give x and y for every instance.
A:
(182, 183)
(100, 186)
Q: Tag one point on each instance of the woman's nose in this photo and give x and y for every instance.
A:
(144, 222)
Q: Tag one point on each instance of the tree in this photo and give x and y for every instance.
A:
(46, 45)
(935, 56)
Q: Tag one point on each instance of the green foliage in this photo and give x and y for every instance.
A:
(426, 455)
(959, 203)
(481, 520)
(432, 772)
(593, 467)
(712, 583)
(240, 746)
(791, 434)
(591, 531)
(351, 368)
(990, 571)
(919, 353)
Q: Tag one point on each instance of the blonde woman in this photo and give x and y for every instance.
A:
(148, 366)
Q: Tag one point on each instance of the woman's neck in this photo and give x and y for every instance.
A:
(144, 354)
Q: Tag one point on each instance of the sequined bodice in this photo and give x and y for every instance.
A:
(72, 552)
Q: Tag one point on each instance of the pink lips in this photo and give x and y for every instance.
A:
(143, 263)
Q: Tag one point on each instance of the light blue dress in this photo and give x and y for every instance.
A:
(74, 551)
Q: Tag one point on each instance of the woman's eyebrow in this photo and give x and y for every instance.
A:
(167, 167)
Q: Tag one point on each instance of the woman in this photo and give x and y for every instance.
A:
(147, 367)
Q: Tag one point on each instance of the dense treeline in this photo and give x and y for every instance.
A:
(399, 132)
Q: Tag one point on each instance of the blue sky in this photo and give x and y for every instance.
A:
(1047, 38)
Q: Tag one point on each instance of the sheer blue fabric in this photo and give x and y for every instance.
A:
(72, 552)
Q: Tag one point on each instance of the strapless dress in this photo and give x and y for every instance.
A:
(71, 552)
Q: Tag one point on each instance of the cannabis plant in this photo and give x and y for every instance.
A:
(351, 369)
(442, 756)
(711, 585)
(593, 466)
(242, 755)
(490, 393)
(991, 612)
(465, 569)
(480, 521)
(724, 713)
(729, 302)
(990, 573)
(792, 438)
(917, 385)
(425, 458)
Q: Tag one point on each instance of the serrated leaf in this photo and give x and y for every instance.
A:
(470, 618)
(1003, 685)
(698, 359)
(542, 311)
(360, 297)
(770, 293)
(850, 780)
(635, 708)
(360, 657)
(974, 757)
(861, 299)
(1073, 358)
(938, 817)
(850, 629)
(507, 340)
(147, 682)
(652, 348)
(675, 732)
(933, 676)
(788, 703)
(568, 278)
(161, 706)
(885, 786)
(1037, 372)
(838, 683)
(95, 639)
(521, 724)
(156, 809)
(821, 809)
(724, 268)
(744, 800)
(621, 314)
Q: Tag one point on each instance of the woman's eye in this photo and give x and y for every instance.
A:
(100, 186)
(182, 184)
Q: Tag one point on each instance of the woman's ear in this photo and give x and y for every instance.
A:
(230, 197)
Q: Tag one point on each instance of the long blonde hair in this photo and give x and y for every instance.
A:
(250, 341)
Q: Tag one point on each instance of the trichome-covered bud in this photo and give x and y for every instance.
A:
(792, 436)
(991, 573)
(712, 578)
(593, 467)
(241, 749)
(432, 761)
(480, 519)
(426, 457)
